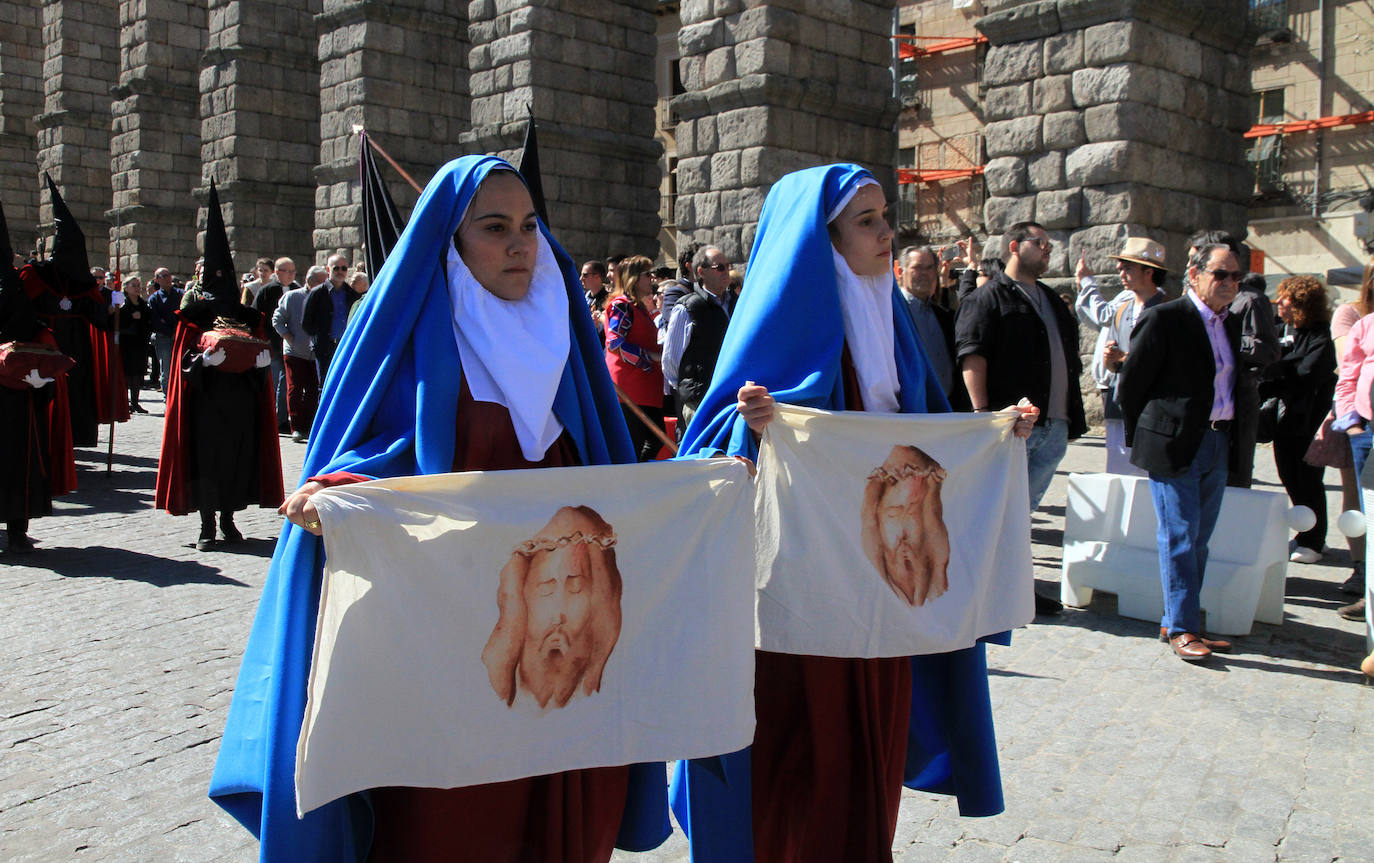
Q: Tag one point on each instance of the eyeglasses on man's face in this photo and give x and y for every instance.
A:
(1225, 275)
(719, 268)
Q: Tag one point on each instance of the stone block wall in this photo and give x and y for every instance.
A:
(587, 72)
(21, 99)
(400, 71)
(155, 151)
(773, 87)
(80, 60)
(260, 125)
(1109, 117)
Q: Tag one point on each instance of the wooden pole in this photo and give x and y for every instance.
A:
(392, 162)
(642, 417)
(114, 339)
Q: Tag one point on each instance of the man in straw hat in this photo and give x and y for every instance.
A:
(1140, 264)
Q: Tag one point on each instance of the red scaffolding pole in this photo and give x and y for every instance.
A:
(939, 44)
(905, 175)
(1265, 129)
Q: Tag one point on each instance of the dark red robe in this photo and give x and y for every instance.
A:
(82, 333)
(830, 746)
(572, 817)
(36, 458)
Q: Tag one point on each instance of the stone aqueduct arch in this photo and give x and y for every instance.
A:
(134, 105)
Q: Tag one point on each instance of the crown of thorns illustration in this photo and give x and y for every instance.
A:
(903, 471)
(530, 547)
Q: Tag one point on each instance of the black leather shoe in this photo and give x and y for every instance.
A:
(1354, 585)
(1047, 606)
(205, 544)
(20, 545)
(231, 533)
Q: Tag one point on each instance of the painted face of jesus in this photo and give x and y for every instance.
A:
(905, 534)
(557, 647)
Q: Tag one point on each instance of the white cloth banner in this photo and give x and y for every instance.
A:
(890, 534)
(480, 627)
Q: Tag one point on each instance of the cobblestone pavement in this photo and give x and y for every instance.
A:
(121, 644)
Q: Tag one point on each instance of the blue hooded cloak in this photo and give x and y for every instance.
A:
(787, 334)
(389, 408)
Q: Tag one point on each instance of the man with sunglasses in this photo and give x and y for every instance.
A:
(1259, 347)
(326, 312)
(696, 329)
(1014, 338)
(1177, 395)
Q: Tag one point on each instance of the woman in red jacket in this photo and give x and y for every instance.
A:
(632, 351)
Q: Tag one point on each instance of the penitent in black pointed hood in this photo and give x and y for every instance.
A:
(69, 255)
(220, 278)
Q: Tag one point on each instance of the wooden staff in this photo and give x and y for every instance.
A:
(642, 417)
(114, 339)
(392, 162)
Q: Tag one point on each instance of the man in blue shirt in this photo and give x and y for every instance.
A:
(163, 303)
(326, 312)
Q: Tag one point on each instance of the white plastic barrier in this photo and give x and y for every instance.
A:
(1109, 544)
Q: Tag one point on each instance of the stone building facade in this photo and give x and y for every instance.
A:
(587, 73)
(1310, 66)
(21, 101)
(1313, 61)
(1100, 126)
(1102, 116)
(135, 105)
(772, 87)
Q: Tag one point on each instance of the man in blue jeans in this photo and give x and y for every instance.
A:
(1014, 339)
(1177, 395)
(163, 303)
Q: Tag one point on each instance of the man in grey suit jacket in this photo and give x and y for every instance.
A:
(1177, 395)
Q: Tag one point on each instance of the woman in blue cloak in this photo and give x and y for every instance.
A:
(473, 350)
(820, 323)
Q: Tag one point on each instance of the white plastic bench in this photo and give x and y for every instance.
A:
(1109, 544)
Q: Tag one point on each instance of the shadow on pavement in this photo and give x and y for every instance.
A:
(255, 547)
(1221, 662)
(95, 459)
(102, 561)
(1298, 588)
(1000, 672)
(1050, 536)
(1266, 648)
